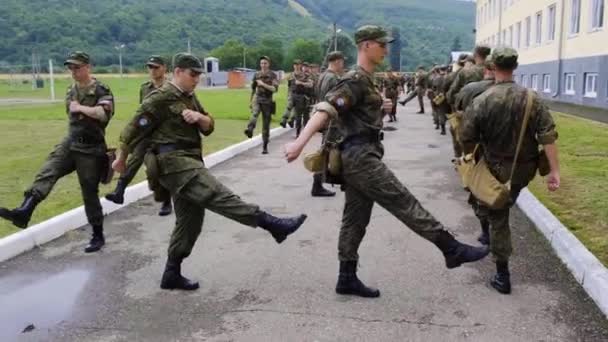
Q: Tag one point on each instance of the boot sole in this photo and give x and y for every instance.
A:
(500, 290)
(281, 237)
(323, 195)
(172, 287)
(346, 292)
(458, 263)
(114, 200)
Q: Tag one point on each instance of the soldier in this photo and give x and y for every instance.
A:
(326, 82)
(357, 107)
(89, 107)
(265, 83)
(441, 106)
(430, 93)
(157, 70)
(391, 92)
(302, 95)
(172, 120)
(446, 87)
(420, 81)
(463, 101)
(494, 120)
(287, 115)
(469, 74)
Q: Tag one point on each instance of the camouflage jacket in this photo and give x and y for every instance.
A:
(301, 89)
(421, 79)
(264, 95)
(494, 120)
(326, 82)
(466, 96)
(391, 86)
(355, 104)
(86, 134)
(466, 75)
(145, 89)
(160, 120)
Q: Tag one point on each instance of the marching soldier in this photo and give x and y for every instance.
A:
(265, 83)
(420, 82)
(172, 120)
(157, 69)
(301, 97)
(357, 107)
(391, 92)
(89, 107)
(287, 115)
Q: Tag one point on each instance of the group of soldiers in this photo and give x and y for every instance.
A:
(166, 133)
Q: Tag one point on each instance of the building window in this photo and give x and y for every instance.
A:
(524, 81)
(528, 32)
(575, 17)
(590, 85)
(503, 41)
(551, 23)
(547, 83)
(511, 36)
(569, 85)
(535, 82)
(518, 35)
(539, 27)
(597, 14)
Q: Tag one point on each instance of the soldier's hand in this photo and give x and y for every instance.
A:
(119, 165)
(553, 181)
(292, 151)
(387, 105)
(260, 82)
(191, 116)
(74, 107)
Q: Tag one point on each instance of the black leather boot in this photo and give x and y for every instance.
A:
(291, 123)
(166, 208)
(97, 241)
(265, 148)
(349, 284)
(484, 237)
(443, 129)
(279, 228)
(21, 216)
(501, 280)
(457, 253)
(283, 122)
(402, 103)
(173, 280)
(248, 132)
(317, 187)
(118, 196)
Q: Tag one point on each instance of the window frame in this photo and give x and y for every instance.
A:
(551, 22)
(534, 82)
(547, 83)
(575, 18)
(572, 90)
(538, 28)
(528, 33)
(594, 15)
(586, 92)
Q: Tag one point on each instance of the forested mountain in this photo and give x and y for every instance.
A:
(51, 28)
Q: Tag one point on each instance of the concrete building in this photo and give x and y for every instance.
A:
(562, 44)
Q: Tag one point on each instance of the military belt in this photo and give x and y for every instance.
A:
(361, 139)
(166, 148)
(87, 140)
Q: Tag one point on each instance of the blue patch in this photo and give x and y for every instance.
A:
(143, 122)
(340, 102)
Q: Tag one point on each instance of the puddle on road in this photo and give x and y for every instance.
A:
(43, 302)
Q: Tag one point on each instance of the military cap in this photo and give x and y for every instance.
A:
(77, 58)
(185, 60)
(155, 60)
(470, 59)
(372, 32)
(462, 57)
(306, 64)
(264, 58)
(482, 50)
(335, 55)
(297, 61)
(505, 57)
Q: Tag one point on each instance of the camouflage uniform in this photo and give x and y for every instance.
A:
(391, 91)
(420, 82)
(263, 103)
(302, 96)
(287, 115)
(466, 75)
(442, 109)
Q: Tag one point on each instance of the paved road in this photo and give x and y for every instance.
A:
(255, 290)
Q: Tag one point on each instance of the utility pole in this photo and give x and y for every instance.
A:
(244, 57)
(335, 37)
(189, 48)
(52, 80)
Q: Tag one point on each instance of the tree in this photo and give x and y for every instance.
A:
(345, 44)
(273, 48)
(230, 54)
(307, 50)
(456, 46)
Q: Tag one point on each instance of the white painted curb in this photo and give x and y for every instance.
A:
(585, 267)
(55, 227)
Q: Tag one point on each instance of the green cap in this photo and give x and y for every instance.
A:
(335, 56)
(155, 60)
(185, 60)
(504, 57)
(297, 61)
(77, 58)
(306, 64)
(372, 32)
(265, 57)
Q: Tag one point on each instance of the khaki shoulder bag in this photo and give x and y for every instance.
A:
(482, 183)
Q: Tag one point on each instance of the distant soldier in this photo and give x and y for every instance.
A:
(156, 69)
(265, 83)
(494, 120)
(446, 87)
(441, 105)
(420, 82)
(302, 96)
(431, 93)
(287, 115)
(469, 74)
(172, 120)
(327, 81)
(89, 106)
(391, 91)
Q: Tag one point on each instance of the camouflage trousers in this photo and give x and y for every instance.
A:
(301, 111)
(368, 181)
(266, 110)
(419, 92)
(61, 162)
(288, 113)
(203, 191)
(136, 159)
(393, 99)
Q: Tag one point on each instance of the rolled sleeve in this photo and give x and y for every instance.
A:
(327, 108)
(545, 132)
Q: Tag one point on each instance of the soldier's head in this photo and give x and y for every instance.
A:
(504, 60)
(443, 69)
(79, 64)
(481, 53)
(306, 67)
(488, 68)
(372, 43)
(314, 68)
(462, 59)
(470, 60)
(264, 63)
(157, 67)
(297, 65)
(336, 61)
(187, 70)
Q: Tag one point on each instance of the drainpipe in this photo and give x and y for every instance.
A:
(500, 42)
(560, 50)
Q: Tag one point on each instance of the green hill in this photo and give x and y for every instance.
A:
(53, 27)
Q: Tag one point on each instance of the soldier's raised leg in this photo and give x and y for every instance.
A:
(266, 119)
(255, 112)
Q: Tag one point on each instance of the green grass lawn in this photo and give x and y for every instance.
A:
(581, 203)
(29, 133)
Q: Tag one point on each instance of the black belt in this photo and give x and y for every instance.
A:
(166, 148)
(87, 140)
(354, 140)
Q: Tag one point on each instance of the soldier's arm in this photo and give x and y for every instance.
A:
(147, 118)
(254, 85)
(141, 95)
(454, 89)
(208, 126)
(547, 136)
(101, 111)
(469, 132)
